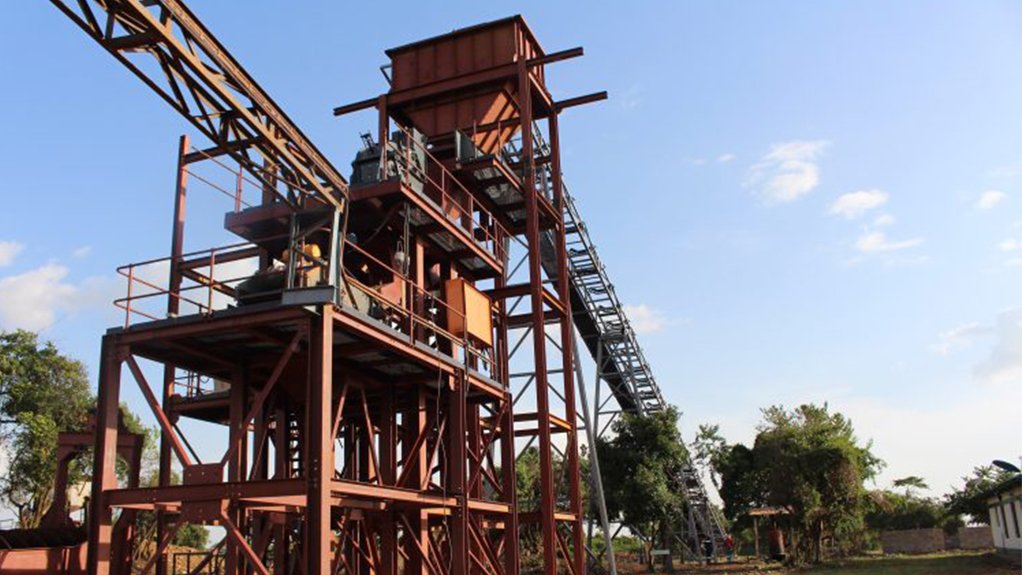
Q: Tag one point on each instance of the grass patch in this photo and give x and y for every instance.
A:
(936, 564)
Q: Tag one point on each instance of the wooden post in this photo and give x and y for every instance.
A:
(755, 533)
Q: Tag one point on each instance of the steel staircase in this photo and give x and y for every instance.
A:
(600, 321)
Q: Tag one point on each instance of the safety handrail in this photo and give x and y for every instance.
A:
(493, 240)
(200, 282)
(202, 278)
(416, 318)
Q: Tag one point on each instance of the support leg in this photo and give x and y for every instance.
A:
(320, 463)
(104, 460)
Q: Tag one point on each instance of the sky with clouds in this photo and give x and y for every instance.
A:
(798, 201)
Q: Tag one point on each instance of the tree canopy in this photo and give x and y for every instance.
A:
(966, 500)
(889, 510)
(806, 461)
(640, 464)
(42, 393)
(911, 482)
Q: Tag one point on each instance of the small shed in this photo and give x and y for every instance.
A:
(775, 536)
(1004, 501)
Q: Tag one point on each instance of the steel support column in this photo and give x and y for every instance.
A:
(457, 524)
(567, 351)
(320, 446)
(104, 462)
(173, 309)
(548, 497)
(595, 474)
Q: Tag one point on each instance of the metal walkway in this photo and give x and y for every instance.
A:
(605, 331)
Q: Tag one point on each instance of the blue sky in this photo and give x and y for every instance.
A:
(799, 201)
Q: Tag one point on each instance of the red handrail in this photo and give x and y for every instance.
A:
(493, 238)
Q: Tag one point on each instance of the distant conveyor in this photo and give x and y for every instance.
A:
(600, 321)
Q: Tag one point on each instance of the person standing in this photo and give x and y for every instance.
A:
(729, 547)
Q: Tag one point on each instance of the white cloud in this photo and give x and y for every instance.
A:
(82, 252)
(854, 204)
(876, 241)
(645, 319)
(31, 300)
(724, 158)
(1010, 245)
(884, 220)
(1004, 365)
(788, 171)
(8, 251)
(960, 337)
(990, 198)
(1014, 263)
(37, 298)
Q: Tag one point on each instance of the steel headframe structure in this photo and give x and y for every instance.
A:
(361, 363)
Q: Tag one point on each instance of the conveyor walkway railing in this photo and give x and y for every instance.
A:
(604, 329)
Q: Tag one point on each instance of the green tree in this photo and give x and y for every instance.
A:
(42, 393)
(815, 468)
(709, 449)
(640, 464)
(528, 491)
(888, 510)
(806, 461)
(911, 482)
(966, 500)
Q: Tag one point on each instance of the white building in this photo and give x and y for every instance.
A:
(1005, 504)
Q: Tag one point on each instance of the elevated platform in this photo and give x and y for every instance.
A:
(448, 225)
(494, 180)
(373, 350)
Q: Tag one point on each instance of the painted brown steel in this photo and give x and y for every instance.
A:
(216, 83)
(419, 473)
(319, 420)
(567, 352)
(548, 496)
(104, 475)
(578, 101)
(173, 309)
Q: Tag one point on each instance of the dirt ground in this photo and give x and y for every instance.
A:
(940, 564)
(744, 566)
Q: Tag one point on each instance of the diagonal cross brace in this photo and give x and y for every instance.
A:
(257, 405)
(161, 416)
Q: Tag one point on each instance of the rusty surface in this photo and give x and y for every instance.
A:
(369, 422)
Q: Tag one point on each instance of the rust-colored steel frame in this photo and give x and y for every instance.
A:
(554, 542)
(546, 307)
(408, 489)
(380, 474)
(199, 78)
(328, 467)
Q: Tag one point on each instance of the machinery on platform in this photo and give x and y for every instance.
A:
(366, 346)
